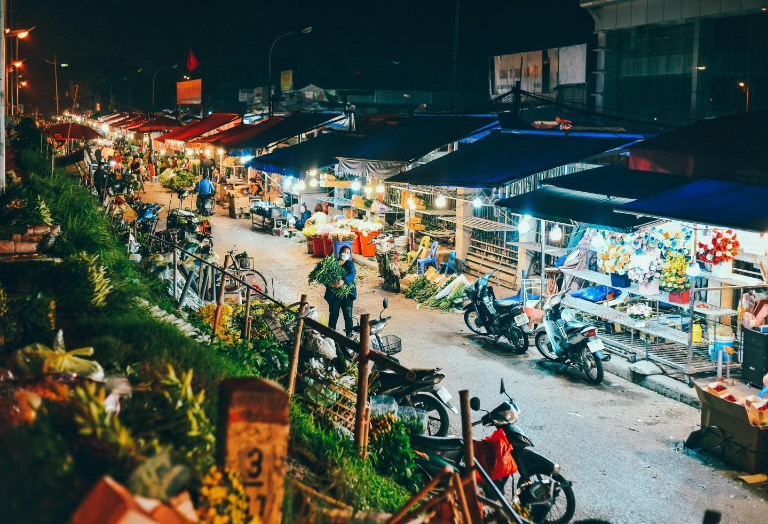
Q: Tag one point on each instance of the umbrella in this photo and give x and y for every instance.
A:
(73, 131)
(159, 124)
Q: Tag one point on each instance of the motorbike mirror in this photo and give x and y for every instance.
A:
(501, 389)
(386, 302)
(556, 469)
(474, 404)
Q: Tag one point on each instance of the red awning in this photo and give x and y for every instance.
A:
(199, 127)
(115, 118)
(239, 132)
(163, 123)
(128, 121)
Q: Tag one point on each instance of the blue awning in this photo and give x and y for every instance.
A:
(617, 181)
(293, 125)
(315, 153)
(561, 205)
(389, 151)
(505, 156)
(710, 202)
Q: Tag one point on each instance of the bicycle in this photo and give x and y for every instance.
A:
(242, 268)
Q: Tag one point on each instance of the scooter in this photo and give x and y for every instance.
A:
(422, 392)
(388, 258)
(561, 338)
(540, 485)
(485, 315)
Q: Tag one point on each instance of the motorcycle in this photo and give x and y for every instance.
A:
(540, 485)
(485, 315)
(388, 258)
(561, 338)
(423, 392)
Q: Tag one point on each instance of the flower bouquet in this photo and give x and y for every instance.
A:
(674, 280)
(342, 235)
(640, 313)
(615, 261)
(720, 252)
(646, 277)
(669, 242)
(328, 272)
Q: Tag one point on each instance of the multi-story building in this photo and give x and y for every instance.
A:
(684, 58)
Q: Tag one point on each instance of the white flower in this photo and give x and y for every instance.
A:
(709, 256)
(719, 253)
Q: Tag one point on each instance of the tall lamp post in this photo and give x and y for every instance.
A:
(745, 87)
(56, 65)
(174, 66)
(18, 34)
(305, 31)
(111, 92)
(129, 84)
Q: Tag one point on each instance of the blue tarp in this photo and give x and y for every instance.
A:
(315, 153)
(294, 125)
(390, 150)
(617, 181)
(505, 156)
(710, 202)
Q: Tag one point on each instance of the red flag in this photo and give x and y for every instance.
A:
(192, 62)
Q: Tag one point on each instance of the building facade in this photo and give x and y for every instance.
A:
(680, 58)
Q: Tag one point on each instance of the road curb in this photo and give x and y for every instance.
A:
(661, 384)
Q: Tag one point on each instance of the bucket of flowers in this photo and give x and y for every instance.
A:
(675, 281)
(647, 275)
(615, 261)
(310, 232)
(719, 251)
(342, 238)
(641, 313)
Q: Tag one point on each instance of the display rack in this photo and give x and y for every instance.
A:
(555, 251)
(482, 224)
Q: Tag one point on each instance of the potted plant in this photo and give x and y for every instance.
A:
(615, 261)
(310, 233)
(675, 281)
(720, 251)
(646, 275)
(641, 313)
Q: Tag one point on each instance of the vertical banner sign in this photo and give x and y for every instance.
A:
(286, 80)
(189, 92)
(253, 433)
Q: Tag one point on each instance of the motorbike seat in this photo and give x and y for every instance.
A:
(574, 325)
(444, 444)
(506, 303)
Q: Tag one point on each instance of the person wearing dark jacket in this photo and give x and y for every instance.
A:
(336, 303)
(303, 216)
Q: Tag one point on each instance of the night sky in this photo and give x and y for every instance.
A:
(394, 44)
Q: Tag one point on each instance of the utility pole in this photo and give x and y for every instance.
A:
(3, 101)
(455, 53)
(55, 79)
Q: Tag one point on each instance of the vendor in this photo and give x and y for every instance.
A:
(346, 304)
(255, 187)
(304, 215)
(319, 218)
(203, 188)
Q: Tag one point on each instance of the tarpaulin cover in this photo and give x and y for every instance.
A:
(240, 132)
(505, 156)
(726, 148)
(199, 127)
(387, 152)
(315, 153)
(162, 123)
(128, 121)
(710, 202)
(293, 125)
(617, 181)
(561, 205)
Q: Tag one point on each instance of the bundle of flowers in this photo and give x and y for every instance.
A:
(670, 243)
(325, 230)
(342, 235)
(673, 277)
(645, 275)
(722, 247)
(364, 226)
(615, 259)
(309, 232)
(641, 311)
(329, 272)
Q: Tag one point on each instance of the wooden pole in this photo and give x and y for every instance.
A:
(432, 484)
(362, 381)
(462, 497)
(469, 457)
(200, 281)
(247, 326)
(296, 345)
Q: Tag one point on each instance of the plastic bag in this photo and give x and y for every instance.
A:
(495, 455)
(37, 358)
(597, 293)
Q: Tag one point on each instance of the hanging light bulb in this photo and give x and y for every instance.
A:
(598, 240)
(440, 201)
(693, 269)
(380, 188)
(477, 202)
(312, 173)
(411, 202)
(555, 233)
(355, 185)
(301, 186)
(368, 190)
(312, 182)
(288, 183)
(524, 225)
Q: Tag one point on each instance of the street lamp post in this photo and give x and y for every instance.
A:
(111, 94)
(19, 34)
(744, 87)
(56, 78)
(305, 31)
(174, 66)
(129, 84)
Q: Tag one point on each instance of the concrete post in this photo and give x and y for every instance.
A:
(463, 234)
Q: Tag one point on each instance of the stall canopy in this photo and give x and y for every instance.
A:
(505, 156)
(162, 123)
(725, 148)
(388, 152)
(315, 153)
(711, 202)
(617, 181)
(199, 127)
(240, 132)
(291, 126)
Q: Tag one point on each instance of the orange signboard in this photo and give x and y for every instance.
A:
(189, 92)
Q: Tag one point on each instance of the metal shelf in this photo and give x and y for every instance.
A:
(482, 224)
(533, 246)
(428, 212)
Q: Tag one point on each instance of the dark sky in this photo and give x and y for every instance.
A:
(405, 44)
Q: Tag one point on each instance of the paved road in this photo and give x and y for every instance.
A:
(620, 444)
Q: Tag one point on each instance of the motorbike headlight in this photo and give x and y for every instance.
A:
(377, 328)
(510, 415)
(437, 378)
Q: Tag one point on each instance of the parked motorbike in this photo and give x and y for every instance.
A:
(485, 315)
(541, 487)
(561, 338)
(388, 258)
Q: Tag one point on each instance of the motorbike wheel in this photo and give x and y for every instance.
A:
(473, 322)
(518, 339)
(437, 414)
(564, 503)
(254, 279)
(592, 366)
(545, 347)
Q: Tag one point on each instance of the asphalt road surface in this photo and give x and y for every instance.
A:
(621, 445)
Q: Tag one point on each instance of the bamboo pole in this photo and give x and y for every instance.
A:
(219, 301)
(462, 497)
(247, 327)
(296, 345)
(200, 281)
(432, 484)
(174, 273)
(362, 381)
(469, 457)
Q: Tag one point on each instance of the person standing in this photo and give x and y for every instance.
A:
(336, 303)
